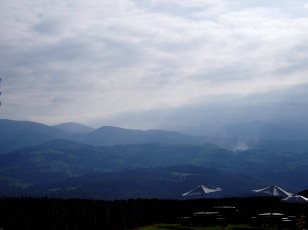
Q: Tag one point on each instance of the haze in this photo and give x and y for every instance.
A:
(153, 63)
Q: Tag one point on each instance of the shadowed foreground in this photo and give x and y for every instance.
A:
(218, 227)
(51, 213)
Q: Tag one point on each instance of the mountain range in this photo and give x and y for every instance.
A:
(19, 134)
(73, 160)
(251, 135)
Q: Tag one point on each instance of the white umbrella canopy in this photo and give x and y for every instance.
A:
(201, 189)
(295, 199)
(274, 190)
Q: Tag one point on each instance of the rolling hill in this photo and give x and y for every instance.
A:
(63, 167)
(20, 134)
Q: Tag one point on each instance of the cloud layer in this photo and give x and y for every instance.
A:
(99, 61)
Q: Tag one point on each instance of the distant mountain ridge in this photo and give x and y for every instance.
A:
(109, 135)
(74, 127)
(238, 137)
(20, 134)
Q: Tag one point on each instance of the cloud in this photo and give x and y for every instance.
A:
(85, 60)
(192, 9)
(287, 104)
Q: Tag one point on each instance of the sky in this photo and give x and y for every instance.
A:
(153, 63)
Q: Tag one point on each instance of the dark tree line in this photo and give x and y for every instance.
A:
(52, 213)
(48, 213)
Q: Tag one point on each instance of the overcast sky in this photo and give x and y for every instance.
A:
(153, 63)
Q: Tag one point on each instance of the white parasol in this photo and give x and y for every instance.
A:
(201, 189)
(295, 199)
(274, 191)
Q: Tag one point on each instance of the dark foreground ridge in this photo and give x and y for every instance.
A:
(52, 213)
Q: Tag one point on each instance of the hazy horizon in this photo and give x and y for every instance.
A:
(154, 64)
